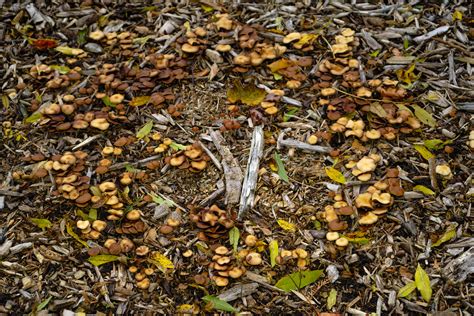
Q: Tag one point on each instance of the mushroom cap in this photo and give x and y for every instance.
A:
(301, 253)
(133, 215)
(177, 161)
(383, 198)
(291, 37)
(328, 91)
(443, 170)
(199, 165)
(100, 123)
(193, 152)
(373, 134)
(82, 224)
(368, 219)
(331, 236)
(364, 176)
(340, 48)
(242, 59)
(221, 281)
(116, 98)
(254, 259)
(363, 92)
(223, 48)
(236, 272)
(99, 225)
(366, 164)
(187, 48)
(144, 284)
(330, 213)
(142, 250)
(342, 242)
(364, 200)
(221, 250)
(250, 240)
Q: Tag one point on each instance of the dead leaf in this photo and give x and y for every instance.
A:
(248, 94)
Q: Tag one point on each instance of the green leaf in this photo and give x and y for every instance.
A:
(374, 53)
(406, 43)
(422, 282)
(145, 130)
(219, 304)
(43, 304)
(139, 101)
(423, 189)
(277, 76)
(161, 261)
(207, 8)
(42, 223)
(424, 116)
(298, 280)
(69, 51)
(33, 118)
(102, 259)
(234, 235)
(61, 69)
(331, 301)
(81, 36)
(107, 102)
(335, 175)
(436, 144)
(281, 168)
(70, 231)
(424, 152)
(177, 146)
(357, 240)
(130, 168)
(288, 115)
(141, 40)
(447, 236)
(406, 290)
(286, 225)
(159, 200)
(273, 247)
(93, 214)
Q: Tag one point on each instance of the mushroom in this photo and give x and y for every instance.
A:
(301, 253)
(107, 150)
(312, 139)
(368, 219)
(329, 213)
(224, 22)
(177, 161)
(253, 259)
(271, 110)
(250, 240)
(199, 165)
(331, 236)
(242, 59)
(291, 37)
(372, 134)
(68, 159)
(52, 109)
(193, 152)
(166, 229)
(116, 98)
(340, 48)
(223, 48)
(328, 92)
(82, 224)
(112, 200)
(353, 63)
(100, 123)
(293, 84)
(144, 284)
(99, 225)
(236, 272)
(142, 251)
(189, 48)
(67, 109)
(220, 281)
(126, 245)
(337, 225)
(221, 250)
(366, 164)
(364, 200)
(444, 170)
(70, 179)
(364, 176)
(93, 234)
(342, 242)
(383, 198)
(133, 215)
(107, 186)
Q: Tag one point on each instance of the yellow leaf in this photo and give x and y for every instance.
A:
(286, 225)
(273, 247)
(424, 116)
(335, 175)
(447, 236)
(161, 261)
(70, 231)
(69, 51)
(423, 284)
(423, 189)
(457, 15)
(407, 289)
(248, 94)
(102, 259)
(138, 101)
(145, 130)
(424, 152)
(280, 64)
(407, 76)
(306, 39)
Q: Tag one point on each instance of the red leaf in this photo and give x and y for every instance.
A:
(44, 43)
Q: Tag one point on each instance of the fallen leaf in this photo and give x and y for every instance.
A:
(407, 76)
(457, 15)
(69, 51)
(177, 146)
(273, 247)
(424, 152)
(234, 236)
(145, 130)
(280, 64)
(422, 282)
(42, 223)
(248, 94)
(378, 109)
(436, 144)
(335, 175)
(161, 261)
(286, 225)
(43, 304)
(33, 118)
(61, 69)
(70, 231)
(139, 101)
(331, 301)
(306, 39)
(281, 168)
(407, 289)
(102, 259)
(424, 116)
(447, 236)
(424, 190)
(298, 280)
(219, 304)
(44, 43)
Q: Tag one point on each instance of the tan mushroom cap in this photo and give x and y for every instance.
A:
(221, 250)
(99, 225)
(254, 259)
(221, 281)
(347, 32)
(133, 215)
(193, 153)
(368, 219)
(443, 170)
(199, 165)
(363, 92)
(242, 59)
(250, 240)
(142, 250)
(187, 48)
(364, 200)
(366, 164)
(331, 236)
(364, 177)
(328, 91)
(330, 213)
(100, 123)
(223, 48)
(82, 224)
(144, 284)
(107, 186)
(236, 272)
(342, 242)
(373, 134)
(340, 48)
(291, 37)
(177, 161)
(382, 198)
(116, 98)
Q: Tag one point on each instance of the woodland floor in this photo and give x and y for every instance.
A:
(126, 130)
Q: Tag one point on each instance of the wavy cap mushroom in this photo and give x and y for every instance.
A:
(364, 200)
(368, 219)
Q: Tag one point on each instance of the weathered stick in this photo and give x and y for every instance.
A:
(301, 145)
(251, 174)
(427, 36)
(232, 172)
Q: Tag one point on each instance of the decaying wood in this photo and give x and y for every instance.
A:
(238, 291)
(232, 172)
(251, 174)
(460, 268)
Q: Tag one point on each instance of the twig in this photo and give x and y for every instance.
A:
(432, 171)
(211, 155)
(292, 143)
(104, 291)
(232, 172)
(213, 195)
(136, 163)
(427, 36)
(251, 174)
